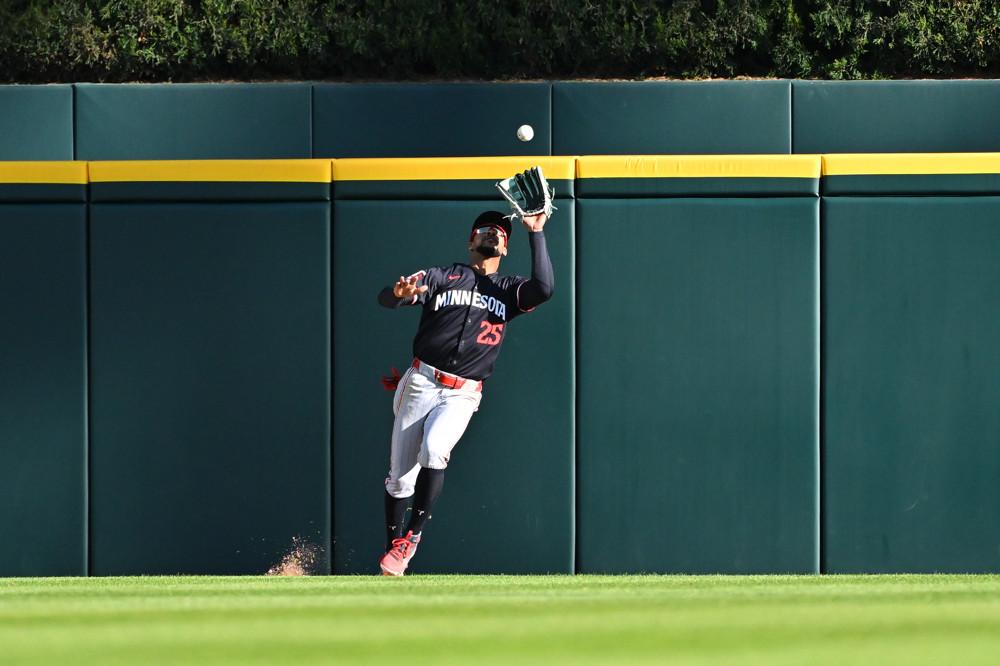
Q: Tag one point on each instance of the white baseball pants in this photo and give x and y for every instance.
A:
(430, 419)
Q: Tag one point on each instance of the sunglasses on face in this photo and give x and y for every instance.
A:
(486, 230)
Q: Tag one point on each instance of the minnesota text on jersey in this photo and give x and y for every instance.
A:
(470, 298)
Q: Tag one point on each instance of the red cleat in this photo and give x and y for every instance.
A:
(394, 562)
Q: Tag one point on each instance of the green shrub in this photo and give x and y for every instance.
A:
(50, 41)
(192, 40)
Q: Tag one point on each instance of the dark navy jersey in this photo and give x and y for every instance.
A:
(464, 318)
(465, 314)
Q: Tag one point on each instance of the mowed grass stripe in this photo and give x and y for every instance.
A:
(501, 620)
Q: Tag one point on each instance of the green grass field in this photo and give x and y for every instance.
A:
(952, 620)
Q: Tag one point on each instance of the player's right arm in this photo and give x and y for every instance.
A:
(404, 292)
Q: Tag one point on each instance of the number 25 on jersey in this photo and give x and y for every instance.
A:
(491, 333)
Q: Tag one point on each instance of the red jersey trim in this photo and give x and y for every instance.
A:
(519, 297)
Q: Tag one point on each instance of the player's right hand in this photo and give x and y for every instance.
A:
(407, 287)
(534, 222)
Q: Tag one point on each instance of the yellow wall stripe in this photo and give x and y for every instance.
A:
(57, 173)
(884, 164)
(699, 166)
(450, 168)
(497, 168)
(270, 171)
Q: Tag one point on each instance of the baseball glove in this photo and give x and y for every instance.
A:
(528, 193)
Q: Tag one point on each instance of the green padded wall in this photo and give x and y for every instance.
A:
(43, 389)
(430, 119)
(698, 385)
(918, 174)
(193, 121)
(895, 116)
(512, 474)
(671, 118)
(911, 388)
(210, 398)
(36, 122)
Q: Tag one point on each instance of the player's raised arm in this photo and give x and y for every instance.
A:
(539, 288)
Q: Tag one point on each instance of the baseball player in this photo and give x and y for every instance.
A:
(466, 309)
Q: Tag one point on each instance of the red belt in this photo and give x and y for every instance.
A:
(451, 381)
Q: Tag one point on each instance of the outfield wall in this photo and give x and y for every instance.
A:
(329, 120)
(698, 378)
(43, 369)
(514, 468)
(209, 364)
(758, 363)
(910, 357)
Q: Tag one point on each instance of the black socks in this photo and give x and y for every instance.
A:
(428, 489)
(425, 495)
(395, 518)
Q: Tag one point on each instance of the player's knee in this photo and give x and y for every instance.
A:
(433, 459)
(399, 488)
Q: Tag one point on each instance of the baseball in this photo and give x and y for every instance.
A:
(525, 133)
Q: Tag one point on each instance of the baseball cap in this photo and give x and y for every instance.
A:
(491, 218)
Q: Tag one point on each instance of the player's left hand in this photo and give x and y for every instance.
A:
(534, 222)
(407, 287)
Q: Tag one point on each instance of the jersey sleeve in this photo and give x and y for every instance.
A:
(538, 289)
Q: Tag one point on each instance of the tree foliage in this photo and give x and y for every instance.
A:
(398, 40)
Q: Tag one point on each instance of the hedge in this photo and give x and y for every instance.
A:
(398, 40)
